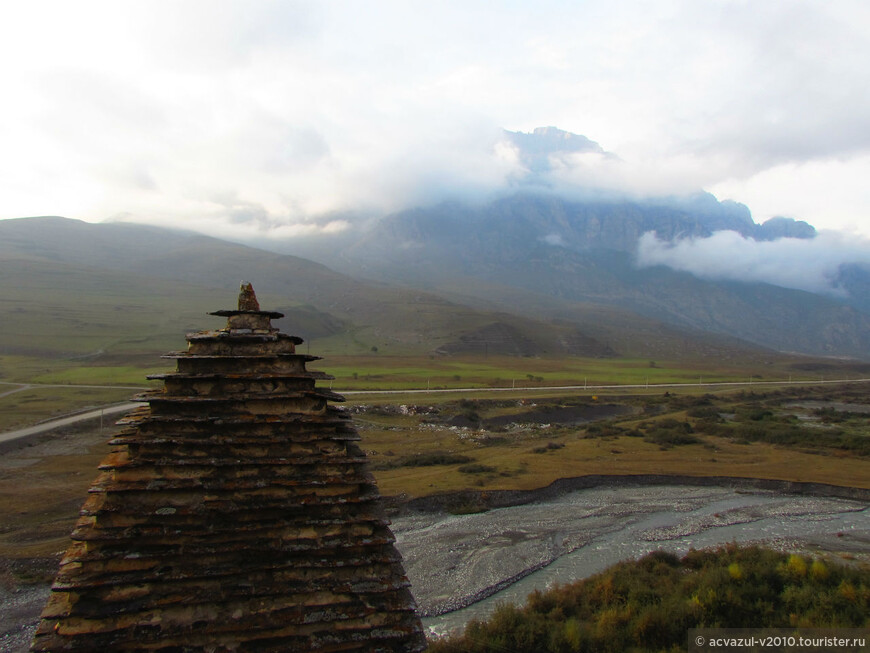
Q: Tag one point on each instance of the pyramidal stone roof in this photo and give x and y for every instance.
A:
(235, 513)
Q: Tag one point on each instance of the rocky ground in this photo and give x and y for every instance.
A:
(24, 589)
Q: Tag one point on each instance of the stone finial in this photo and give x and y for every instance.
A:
(247, 298)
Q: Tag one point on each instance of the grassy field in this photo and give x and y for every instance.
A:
(36, 404)
(130, 370)
(382, 372)
(386, 372)
(660, 436)
(398, 373)
(520, 466)
(42, 487)
(375, 372)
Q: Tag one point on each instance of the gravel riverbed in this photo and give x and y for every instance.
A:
(461, 566)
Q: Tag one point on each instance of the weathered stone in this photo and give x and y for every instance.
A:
(235, 513)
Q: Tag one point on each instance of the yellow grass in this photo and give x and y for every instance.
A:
(621, 456)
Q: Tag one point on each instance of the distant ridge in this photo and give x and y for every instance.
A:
(104, 282)
(583, 252)
(555, 299)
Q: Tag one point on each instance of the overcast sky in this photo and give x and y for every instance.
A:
(244, 117)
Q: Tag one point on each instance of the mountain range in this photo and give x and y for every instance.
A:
(73, 289)
(514, 251)
(530, 272)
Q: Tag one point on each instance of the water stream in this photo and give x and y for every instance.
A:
(455, 562)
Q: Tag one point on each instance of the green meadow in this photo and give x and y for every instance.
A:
(408, 372)
(381, 372)
(35, 404)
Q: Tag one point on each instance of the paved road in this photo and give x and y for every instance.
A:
(75, 385)
(121, 408)
(66, 421)
(645, 386)
(21, 386)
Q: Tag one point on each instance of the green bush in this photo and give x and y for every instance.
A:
(704, 412)
(649, 604)
(492, 440)
(603, 429)
(802, 436)
(550, 446)
(477, 468)
(423, 460)
(670, 432)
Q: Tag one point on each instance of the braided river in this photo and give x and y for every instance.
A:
(462, 566)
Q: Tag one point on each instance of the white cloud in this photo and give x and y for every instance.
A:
(157, 110)
(830, 191)
(555, 240)
(805, 264)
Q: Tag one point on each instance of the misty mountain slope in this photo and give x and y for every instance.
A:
(506, 227)
(54, 309)
(509, 338)
(779, 318)
(69, 267)
(583, 253)
(854, 278)
(583, 308)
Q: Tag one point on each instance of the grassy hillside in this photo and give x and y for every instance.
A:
(58, 310)
(360, 315)
(71, 285)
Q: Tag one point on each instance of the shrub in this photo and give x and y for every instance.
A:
(550, 446)
(670, 432)
(477, 468)
(651, 603)
(704, 412)
(603, 430)
(492, 440)
(423, 460)
(434, 458)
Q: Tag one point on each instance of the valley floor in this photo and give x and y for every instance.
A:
(460, 564)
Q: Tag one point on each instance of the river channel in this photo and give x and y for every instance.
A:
(462, 566)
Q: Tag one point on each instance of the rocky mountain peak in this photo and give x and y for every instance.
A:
(780, 227)
(536, 147)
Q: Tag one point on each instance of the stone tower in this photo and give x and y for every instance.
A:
(235, 513)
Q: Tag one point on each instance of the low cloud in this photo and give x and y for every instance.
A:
(804, 264)
(297, 109)
(555, 240)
